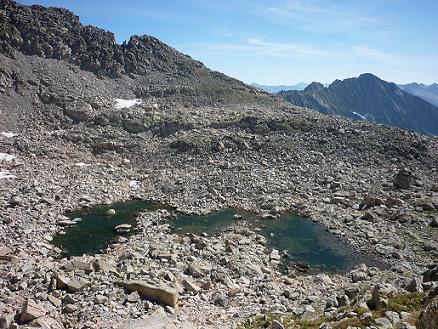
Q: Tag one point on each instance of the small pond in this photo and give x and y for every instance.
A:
(306, 242)
(97, 229)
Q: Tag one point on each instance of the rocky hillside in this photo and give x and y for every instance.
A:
(369, 98)
(428, 92)
(158, 69)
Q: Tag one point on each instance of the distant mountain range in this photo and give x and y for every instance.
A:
(427, 92)
(369, 98)
(276, 89)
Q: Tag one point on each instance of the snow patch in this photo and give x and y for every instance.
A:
(360, 115)
(126, 103)
(6, 175)
(134, 184)
(7, 157)
(8, 134)
(82, 164)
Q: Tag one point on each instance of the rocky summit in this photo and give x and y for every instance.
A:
(370, 98)
(86, 122)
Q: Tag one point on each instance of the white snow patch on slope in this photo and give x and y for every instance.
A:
(7, 157)
(8, 134)
(126, 103)
(134, 184)
(6, 175)
(82, 164)
(360, 115)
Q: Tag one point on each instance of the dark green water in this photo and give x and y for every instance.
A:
(97, 230)
(305, 241)
(308, 242)
(210, 224)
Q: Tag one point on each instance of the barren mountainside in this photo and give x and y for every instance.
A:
(370, 98)
(160, 70)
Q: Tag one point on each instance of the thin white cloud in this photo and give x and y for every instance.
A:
(387, 58)
(259, 47)
(287, 49)
(378, 55)
(320, 16)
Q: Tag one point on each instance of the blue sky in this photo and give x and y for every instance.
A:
(283, 41)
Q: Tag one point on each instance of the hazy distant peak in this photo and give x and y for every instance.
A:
(427, 92)
(314, 86)
(277, 88)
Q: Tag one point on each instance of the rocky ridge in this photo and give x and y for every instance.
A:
(369, 98)
(158, 70)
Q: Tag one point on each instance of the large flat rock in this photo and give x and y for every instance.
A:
(161, 294)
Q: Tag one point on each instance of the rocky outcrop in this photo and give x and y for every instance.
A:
(57, 33)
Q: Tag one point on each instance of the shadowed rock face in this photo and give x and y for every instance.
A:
(57, 33)
(369, 98)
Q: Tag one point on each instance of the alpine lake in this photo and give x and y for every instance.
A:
(306, 243)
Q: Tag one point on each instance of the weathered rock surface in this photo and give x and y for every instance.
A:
(161, 294)
(31, 311)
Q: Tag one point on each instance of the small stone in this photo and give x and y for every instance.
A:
(190, 286)
(343, 300)
(133, 297)
(219, 299)
(123, 228)
(415, 286)
(111, 212)
(170, 309)
(358, 276)
(69, 299)
(16, 201)
(392, 316)
(162, 294)
(70, 308)
(276, 325)
(74, 285)
(195, 271)
(99, 299)
(275, 255)
(383, 323)
(6, 320)
(55, 301)
(31, 311)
